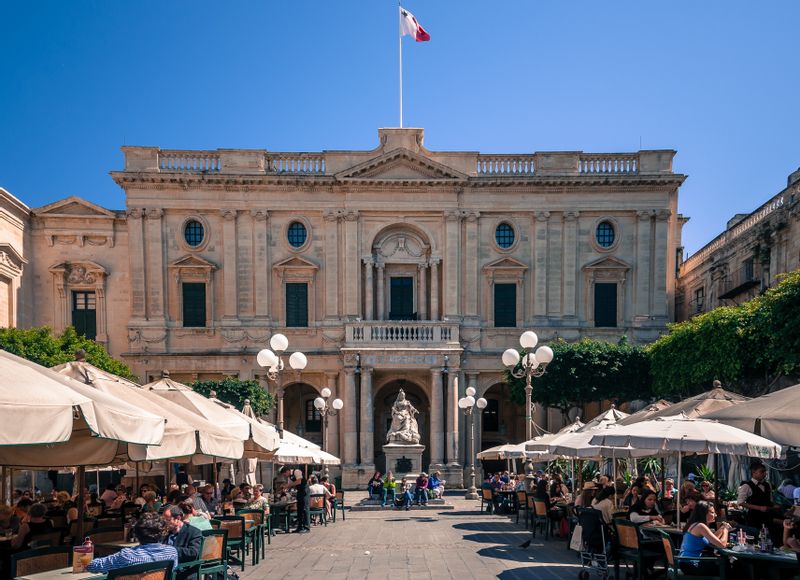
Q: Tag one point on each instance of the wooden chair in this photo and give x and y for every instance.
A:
(254, 519)
(338, 505)
(214, 523)
(487, 497)
(40, 560)
(94, 511)
(237, 537)
(630, 548)
(151, 571)
(316, 507)
(522, 505)
(214, 552)
(673, 561)
(59, 521)
(540, 518)
(45, 539)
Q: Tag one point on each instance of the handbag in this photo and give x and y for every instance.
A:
(576, 542)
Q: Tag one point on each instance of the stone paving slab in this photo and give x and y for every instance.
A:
(463, 543)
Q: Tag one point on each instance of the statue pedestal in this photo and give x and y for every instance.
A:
(403, 459)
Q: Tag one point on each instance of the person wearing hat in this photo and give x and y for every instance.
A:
(587, 494)
(421, 491)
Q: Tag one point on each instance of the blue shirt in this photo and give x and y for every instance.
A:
(693, 546)
(142, 554)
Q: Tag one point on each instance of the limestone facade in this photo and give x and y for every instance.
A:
(398, 267)
(745, 259)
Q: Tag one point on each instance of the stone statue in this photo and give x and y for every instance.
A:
(404, 427)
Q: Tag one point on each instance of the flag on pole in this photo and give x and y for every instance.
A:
(410, 27)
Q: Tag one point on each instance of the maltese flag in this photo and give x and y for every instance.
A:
(410, 27)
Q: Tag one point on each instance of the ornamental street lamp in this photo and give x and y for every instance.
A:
(325, 411)
(272, 360)
(468, 404)
(528, 364)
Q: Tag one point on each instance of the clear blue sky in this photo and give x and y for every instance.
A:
(717, 81)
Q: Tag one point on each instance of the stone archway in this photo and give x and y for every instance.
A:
(300, 416)
(383, 401)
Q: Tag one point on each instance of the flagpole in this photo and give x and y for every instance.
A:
(400, 37)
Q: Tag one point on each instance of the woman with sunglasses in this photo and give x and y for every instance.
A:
(707, 491)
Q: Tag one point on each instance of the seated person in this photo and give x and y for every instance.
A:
(183, 536)
(688, 504)
(150, 530)
(404, 498)
(436, 485)
(389, 488)
(605, 504)
(330, 500)
(645, 510)
(707, 492)
(631, 496)
(375, 486)
(33, 523)
(698, 536)
(421, 489)
(791, 534)
(8, 520)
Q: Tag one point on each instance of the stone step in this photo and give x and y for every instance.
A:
(376, 507)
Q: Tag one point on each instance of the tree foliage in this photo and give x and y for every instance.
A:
(746, 347)
(41, 346)
(588, 370)
(235, 391)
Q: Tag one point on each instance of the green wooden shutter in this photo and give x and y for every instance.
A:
(605, 305)
(296, 304)
(505, 305)
(194, 304)
(84, 314)
(402, 298)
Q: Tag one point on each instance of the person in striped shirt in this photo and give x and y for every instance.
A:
(150, 530)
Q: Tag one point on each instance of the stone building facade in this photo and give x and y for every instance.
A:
(399, 267)
(745, 259)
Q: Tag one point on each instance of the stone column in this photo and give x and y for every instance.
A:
(555, 270)
(540, 266)
(155, 263)
(349, 411)
(570, 262)
(451, 264)
(367, 418)
(471, 265)
(435, 288)
(659, 291)
(261, 270)
(437, 435)
(422, 293)
(244, 265)
(332, 442)
(229, 267)
(352, 270)
(452, 415)
(331, 227)
(368, 300)
(137, 265)
(381, 290)
(643, 255)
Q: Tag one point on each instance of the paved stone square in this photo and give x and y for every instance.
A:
(462, 543)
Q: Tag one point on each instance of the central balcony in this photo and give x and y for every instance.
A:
(398, 334)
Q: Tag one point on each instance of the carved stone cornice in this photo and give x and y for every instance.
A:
(351, 215)
(453, 215)
(663, 215)
(331, 215)
(154, 213)
(471, 216)
(260, 215)
(571, 216)
(228, 214)
(434, 261)
(542, 216)
(134, 213)
(644, 214)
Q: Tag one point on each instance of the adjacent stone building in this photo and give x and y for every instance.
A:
(745, 259)
(394, 268)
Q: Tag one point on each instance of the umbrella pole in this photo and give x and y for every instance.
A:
(136, 491)
(678, 486)
(167, 478)
(214, 474)
(80, 475)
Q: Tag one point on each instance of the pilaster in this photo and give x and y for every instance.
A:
(437, 435)
(659, 292)
(367, 418)
(555, 270)
(262, 271)
(332, 441)
(155, 263)
(471, 264)
(570, 262)
(435, 288)
(422, 292)
(349, 411)
(381, 290)
(368, 285)
(352, 288)
(643, 261)
(540, 265)
(331, 227)
(229, 267)
(138, 271)
(451, 263)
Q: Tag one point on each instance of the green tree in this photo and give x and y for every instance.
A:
(41, 346)
(235, 391)
(588, 370)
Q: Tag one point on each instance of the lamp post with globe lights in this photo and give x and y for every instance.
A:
(272, 360)
(468, 404)
(529, 364)
(325, 411)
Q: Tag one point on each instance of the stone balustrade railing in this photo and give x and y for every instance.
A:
(199, 161)
(297, 163)
(378, 333)
(728, 236)
(499, 165)
(610, 163)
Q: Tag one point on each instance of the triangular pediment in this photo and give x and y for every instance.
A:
(400, 164)
(9, 253)
(296, 262)
(193, 262)
(73, 206)
(607, 263)
(505, 264)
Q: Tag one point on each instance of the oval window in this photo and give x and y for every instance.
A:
(504, 235)
(193, 233)
(605, 234)
(297, 234)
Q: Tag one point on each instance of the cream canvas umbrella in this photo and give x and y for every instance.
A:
(187, 436)
(683, 435)
(259, 439)
(535, 447)
(698, 406)
(47, 420)
(651, 411)
(774, 416)
(505, 451)
(548, 443)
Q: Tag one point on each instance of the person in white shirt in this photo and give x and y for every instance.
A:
(787, 488)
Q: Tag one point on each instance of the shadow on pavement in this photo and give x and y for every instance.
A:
(509, 540)
(461, 513)
(560, 571)
(489, 527)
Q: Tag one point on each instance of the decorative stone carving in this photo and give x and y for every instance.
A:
(644, 215)
(154, 213)
(663, 215)
(351, 215)
(331, 215)
(571, 216)
(228, 214)
(260, 215)
(404, 428)
(400, 246)
(134, 213)
(452, 215)
(542, 216)
(79, 274)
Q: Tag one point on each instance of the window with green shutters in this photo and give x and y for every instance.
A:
(605, 305)
(505, 305)
(296, 304)
(194, 304)
(84, 313)
(402, 298)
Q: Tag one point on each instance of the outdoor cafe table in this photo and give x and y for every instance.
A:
(506, 498)
(63, 574)
(761, 564)
(279, 509)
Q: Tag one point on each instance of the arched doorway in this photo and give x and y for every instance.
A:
(384, 399)
(300, 416)
(502, 421)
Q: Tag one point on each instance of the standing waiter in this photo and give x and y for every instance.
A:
(756, 495)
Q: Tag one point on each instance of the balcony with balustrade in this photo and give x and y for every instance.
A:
(401, 334)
